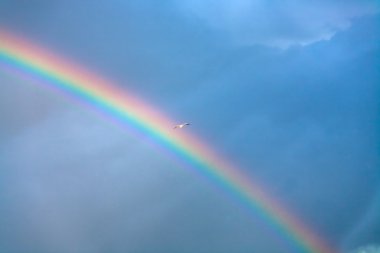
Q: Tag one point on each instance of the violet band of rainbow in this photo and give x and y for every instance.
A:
(27, 57)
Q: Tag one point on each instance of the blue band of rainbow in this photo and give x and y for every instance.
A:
(105, 96)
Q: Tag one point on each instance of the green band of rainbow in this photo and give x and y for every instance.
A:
(126, 108)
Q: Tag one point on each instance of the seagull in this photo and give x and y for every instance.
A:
(181, 125)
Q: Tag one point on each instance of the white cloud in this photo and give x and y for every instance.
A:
(368, 249)
(281, 24)
(364, 229)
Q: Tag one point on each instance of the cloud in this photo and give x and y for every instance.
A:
(300, 121)
(76, 183)
(23, 105)
(281, 25)
(366, 229)
(368, 249)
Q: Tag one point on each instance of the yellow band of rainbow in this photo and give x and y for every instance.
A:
(16, 52)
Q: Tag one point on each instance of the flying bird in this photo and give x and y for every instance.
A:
(181, 125)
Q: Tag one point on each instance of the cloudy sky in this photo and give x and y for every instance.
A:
(288, 90)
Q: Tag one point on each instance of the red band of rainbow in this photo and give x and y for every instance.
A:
(17, 52)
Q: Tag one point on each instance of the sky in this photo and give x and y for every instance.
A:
(287, 90)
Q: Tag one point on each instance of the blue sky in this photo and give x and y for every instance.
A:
(288, 90)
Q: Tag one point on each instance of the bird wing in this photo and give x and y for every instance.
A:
(181, 125)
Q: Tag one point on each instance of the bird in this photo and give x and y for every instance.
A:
(181, 125)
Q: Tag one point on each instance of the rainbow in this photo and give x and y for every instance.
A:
(111, 100)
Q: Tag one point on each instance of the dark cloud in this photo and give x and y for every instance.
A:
(22, 106)
(309, 117)
(76, 183)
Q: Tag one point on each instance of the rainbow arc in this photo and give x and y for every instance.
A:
(120, 105)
